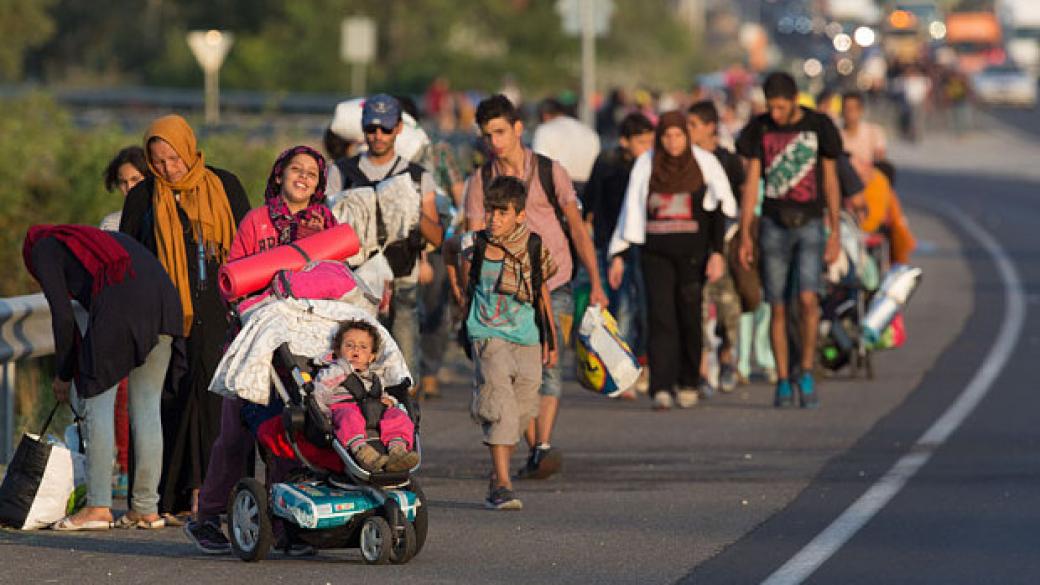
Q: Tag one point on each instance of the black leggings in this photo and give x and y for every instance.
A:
(673, 297)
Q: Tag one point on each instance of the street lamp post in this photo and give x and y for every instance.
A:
(358, 48)
(210, 48)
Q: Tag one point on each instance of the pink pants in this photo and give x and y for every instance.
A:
(350, 424)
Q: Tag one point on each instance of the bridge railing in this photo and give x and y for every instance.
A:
(25, 333)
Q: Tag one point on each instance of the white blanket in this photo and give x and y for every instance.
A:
(401, 206)
(308, 326)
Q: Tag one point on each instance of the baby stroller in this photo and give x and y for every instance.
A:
(328, 501)
(849, 284)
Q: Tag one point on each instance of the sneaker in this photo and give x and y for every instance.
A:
(663, 400)
(207, 537)
(541, 463)
(687, 398)
(401, 459)
(727, 378)
(806, 392)
(368, 458)
(502, 498)
(784, 396)
(705, 389)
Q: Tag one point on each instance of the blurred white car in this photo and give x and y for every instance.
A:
(1005, 84)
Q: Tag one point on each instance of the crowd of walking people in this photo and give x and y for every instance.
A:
(706, 229)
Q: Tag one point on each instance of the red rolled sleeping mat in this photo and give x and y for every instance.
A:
(252, 273)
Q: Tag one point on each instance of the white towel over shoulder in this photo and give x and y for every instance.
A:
(631, 225)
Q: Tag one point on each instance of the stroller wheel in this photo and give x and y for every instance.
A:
(249, 523)
(404, 543)
(376, 540)
(422, 514)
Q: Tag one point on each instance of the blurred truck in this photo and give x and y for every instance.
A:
(1021, 19)
(976, 39)
(908, 30)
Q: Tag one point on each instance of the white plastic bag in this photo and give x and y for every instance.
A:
(37, 486)
(606, 365)
(77, 449)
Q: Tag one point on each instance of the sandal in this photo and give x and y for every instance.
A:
(126, 522)
(67, 525)
(176, 519)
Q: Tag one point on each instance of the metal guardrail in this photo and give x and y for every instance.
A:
(25, 333)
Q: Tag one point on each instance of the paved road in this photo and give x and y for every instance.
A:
(728, 491)
(970, 514)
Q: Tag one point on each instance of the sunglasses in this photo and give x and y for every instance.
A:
(372, 129)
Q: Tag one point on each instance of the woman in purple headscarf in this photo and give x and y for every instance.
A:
(294, 208)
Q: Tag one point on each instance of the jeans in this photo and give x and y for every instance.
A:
(627, 303)
(792, 258)
(145, 392)
(403, 324)
(435, 318)
(563, 313)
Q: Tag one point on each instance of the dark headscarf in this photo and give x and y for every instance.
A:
(314, 218)
(674, 174)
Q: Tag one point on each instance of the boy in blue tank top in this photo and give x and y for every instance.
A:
(509, 325)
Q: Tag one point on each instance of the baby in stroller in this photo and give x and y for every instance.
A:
(353, 395)
(339, 496)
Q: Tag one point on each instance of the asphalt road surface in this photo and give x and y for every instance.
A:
(730, 491)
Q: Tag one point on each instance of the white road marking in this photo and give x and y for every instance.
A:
(827, 543)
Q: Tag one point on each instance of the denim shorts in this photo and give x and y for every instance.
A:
(792, 258)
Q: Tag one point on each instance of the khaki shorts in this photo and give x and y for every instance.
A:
(506, 378)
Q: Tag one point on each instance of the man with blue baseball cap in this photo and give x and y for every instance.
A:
(381, 124)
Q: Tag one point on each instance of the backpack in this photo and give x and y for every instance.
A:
(401, 255)
(545, 178)
(534, 253)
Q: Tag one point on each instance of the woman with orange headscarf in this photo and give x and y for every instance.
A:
(187, 215)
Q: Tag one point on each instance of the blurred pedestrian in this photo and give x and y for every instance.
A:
(673, 211)
(187, 215)
(552, 213)
(124, 172)
(794, 150)
(438, 158)
(602, 200)
(563, 138)
(864, 141)
(703, 121)
(134, 314)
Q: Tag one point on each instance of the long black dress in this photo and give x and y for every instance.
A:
(190, 412)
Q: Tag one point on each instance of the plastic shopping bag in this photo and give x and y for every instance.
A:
(77, 449)
(38, 483)
(606, 365)
(894, 336)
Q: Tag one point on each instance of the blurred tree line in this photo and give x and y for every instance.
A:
(294, 46)
(52, 172)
